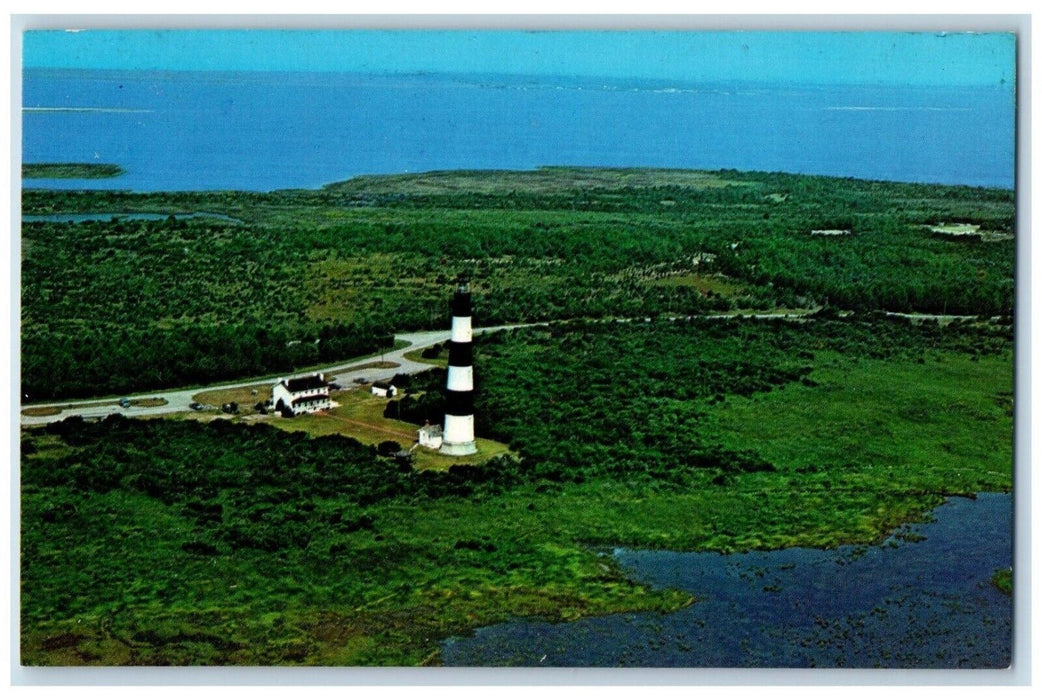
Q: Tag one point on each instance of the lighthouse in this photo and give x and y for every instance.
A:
(458, 434)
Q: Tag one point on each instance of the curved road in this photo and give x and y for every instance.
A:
(177, 400)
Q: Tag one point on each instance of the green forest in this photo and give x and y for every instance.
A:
(291, 279)
(174, 542)
(661, 405)
(575, 399)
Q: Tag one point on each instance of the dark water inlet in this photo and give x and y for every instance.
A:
(907, 603)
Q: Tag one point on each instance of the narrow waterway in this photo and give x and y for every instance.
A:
(921, 599)
(110, 216)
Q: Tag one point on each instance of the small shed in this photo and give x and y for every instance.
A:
(384, 389)
(430, 436)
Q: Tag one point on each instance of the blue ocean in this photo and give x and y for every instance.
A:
(268, 131)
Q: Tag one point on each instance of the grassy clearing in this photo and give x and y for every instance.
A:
(56, 409)
(944, 424)
(149, 403)
(41, 411)
(379, 364)
(442, 360)
(360, 416)
(245, 396)
(431, 459)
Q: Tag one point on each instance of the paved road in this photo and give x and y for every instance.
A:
(177, 400)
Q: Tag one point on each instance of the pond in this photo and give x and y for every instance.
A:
(109, 216)
(921, 599)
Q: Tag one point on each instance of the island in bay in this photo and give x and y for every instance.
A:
(72, 171)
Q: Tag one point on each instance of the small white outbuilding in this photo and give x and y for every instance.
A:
(384, 389)
(430, 436)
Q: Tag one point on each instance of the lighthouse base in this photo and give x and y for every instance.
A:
(458, 448)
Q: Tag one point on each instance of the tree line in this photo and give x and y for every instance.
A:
(130, 305)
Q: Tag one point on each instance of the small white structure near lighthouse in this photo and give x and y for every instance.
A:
(458, 431)
(384, 389)
(430, 436)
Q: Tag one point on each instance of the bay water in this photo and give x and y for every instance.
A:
(265, 131)
(923, 599)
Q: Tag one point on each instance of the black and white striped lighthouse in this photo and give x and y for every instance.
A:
(458, 434)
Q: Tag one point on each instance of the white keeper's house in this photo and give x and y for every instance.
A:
(301, 394)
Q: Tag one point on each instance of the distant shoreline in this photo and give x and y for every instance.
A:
(455, 180)
(525, 121)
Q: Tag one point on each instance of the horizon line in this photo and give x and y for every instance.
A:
(522, 76)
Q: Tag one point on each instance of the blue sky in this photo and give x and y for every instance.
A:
(885, 58)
